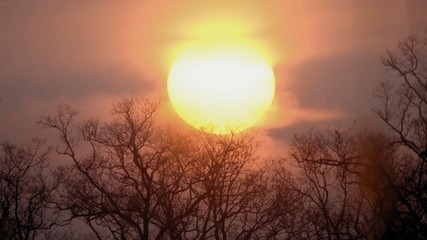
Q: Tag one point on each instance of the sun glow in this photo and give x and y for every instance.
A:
(221, 79)
(221, 88)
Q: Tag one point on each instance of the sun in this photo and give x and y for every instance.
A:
(221, 89)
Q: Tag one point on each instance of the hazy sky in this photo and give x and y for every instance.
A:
(92, 53)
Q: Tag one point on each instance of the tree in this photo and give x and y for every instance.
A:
(25, 191)
(233, 192)
(130, 179)
(371, 185)
(111, 185)
(404, 111)
(343, 180)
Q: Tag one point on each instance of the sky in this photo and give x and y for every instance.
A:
(325, 55)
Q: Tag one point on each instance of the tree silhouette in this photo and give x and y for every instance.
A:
(133, 180)
(404, 111)
(369, 185)
(342, 179)
(25, 191)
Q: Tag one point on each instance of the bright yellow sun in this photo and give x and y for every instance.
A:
(221, 89)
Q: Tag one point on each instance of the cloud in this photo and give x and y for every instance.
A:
(327, 90)
(74, 85)
(286, 133)
(25, 98)
(342, 82)
(337, 63)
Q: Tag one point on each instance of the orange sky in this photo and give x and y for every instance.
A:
(91, 53)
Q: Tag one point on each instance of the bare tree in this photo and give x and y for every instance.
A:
(110, 185)
(342, 179)
(404, 111)
(25, 191)
(288, 206)
(229, 186)
(130, 179)
(371, 185)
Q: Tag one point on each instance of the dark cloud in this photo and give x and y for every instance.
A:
(342, 82)
(286, 133)
(26, 98)
(113, 81)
